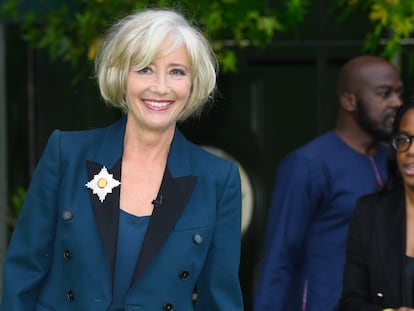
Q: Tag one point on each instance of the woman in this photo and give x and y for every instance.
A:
(133, 216)
(379, 268)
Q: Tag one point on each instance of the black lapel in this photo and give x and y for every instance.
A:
(107, 212)
(390, 229)
(173, 197)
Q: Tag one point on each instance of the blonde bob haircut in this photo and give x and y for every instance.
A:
(133, 43)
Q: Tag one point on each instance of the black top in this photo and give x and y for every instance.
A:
(409, 280)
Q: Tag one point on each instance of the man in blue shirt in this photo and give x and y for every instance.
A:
(316, 188)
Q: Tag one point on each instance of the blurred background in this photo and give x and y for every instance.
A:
(277, 84)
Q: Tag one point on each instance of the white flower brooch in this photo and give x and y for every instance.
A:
(102, 184)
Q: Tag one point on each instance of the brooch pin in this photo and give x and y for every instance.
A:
(102, 184)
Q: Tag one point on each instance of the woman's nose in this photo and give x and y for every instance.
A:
(160, 84)
(411, 148)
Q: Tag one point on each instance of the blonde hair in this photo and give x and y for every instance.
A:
(135, 40)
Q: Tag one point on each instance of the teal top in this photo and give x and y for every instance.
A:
(130, 236)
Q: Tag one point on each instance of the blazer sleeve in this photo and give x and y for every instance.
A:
(30, 250)
(356, 280)
(218, 286)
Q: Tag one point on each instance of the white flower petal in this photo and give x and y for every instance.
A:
(102, 184)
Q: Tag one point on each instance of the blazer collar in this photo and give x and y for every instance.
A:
(390, 229)
(111, 148)
(173, 196)
(175, 191)
(108, 153)
(107, 212)
(111, 144)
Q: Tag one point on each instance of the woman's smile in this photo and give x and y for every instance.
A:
(158, 104)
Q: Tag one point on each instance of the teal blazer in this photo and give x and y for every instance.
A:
(62, 252)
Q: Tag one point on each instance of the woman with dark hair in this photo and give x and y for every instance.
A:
(379, 267)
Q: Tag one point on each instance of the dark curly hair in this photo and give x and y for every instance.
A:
(394, 176)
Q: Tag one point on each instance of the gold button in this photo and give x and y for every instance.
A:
(102, 182)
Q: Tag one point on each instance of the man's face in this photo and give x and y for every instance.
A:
(378, 98)
(379, 125)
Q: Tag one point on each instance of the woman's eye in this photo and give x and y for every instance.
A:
(144, 70)
(403, 140)
(177, 72)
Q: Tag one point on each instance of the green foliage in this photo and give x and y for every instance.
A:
(72, 30)
(16, 201)
(295, 12)
(392, 20)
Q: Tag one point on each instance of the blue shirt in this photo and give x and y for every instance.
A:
(130, 236)
(315, 192)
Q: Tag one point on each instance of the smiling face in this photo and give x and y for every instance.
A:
(405, 159)
(157, 94)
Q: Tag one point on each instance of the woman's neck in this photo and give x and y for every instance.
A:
(146, 146)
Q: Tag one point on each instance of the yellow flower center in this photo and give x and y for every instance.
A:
(102, 182)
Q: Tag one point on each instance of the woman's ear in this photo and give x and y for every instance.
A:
(348, 101)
